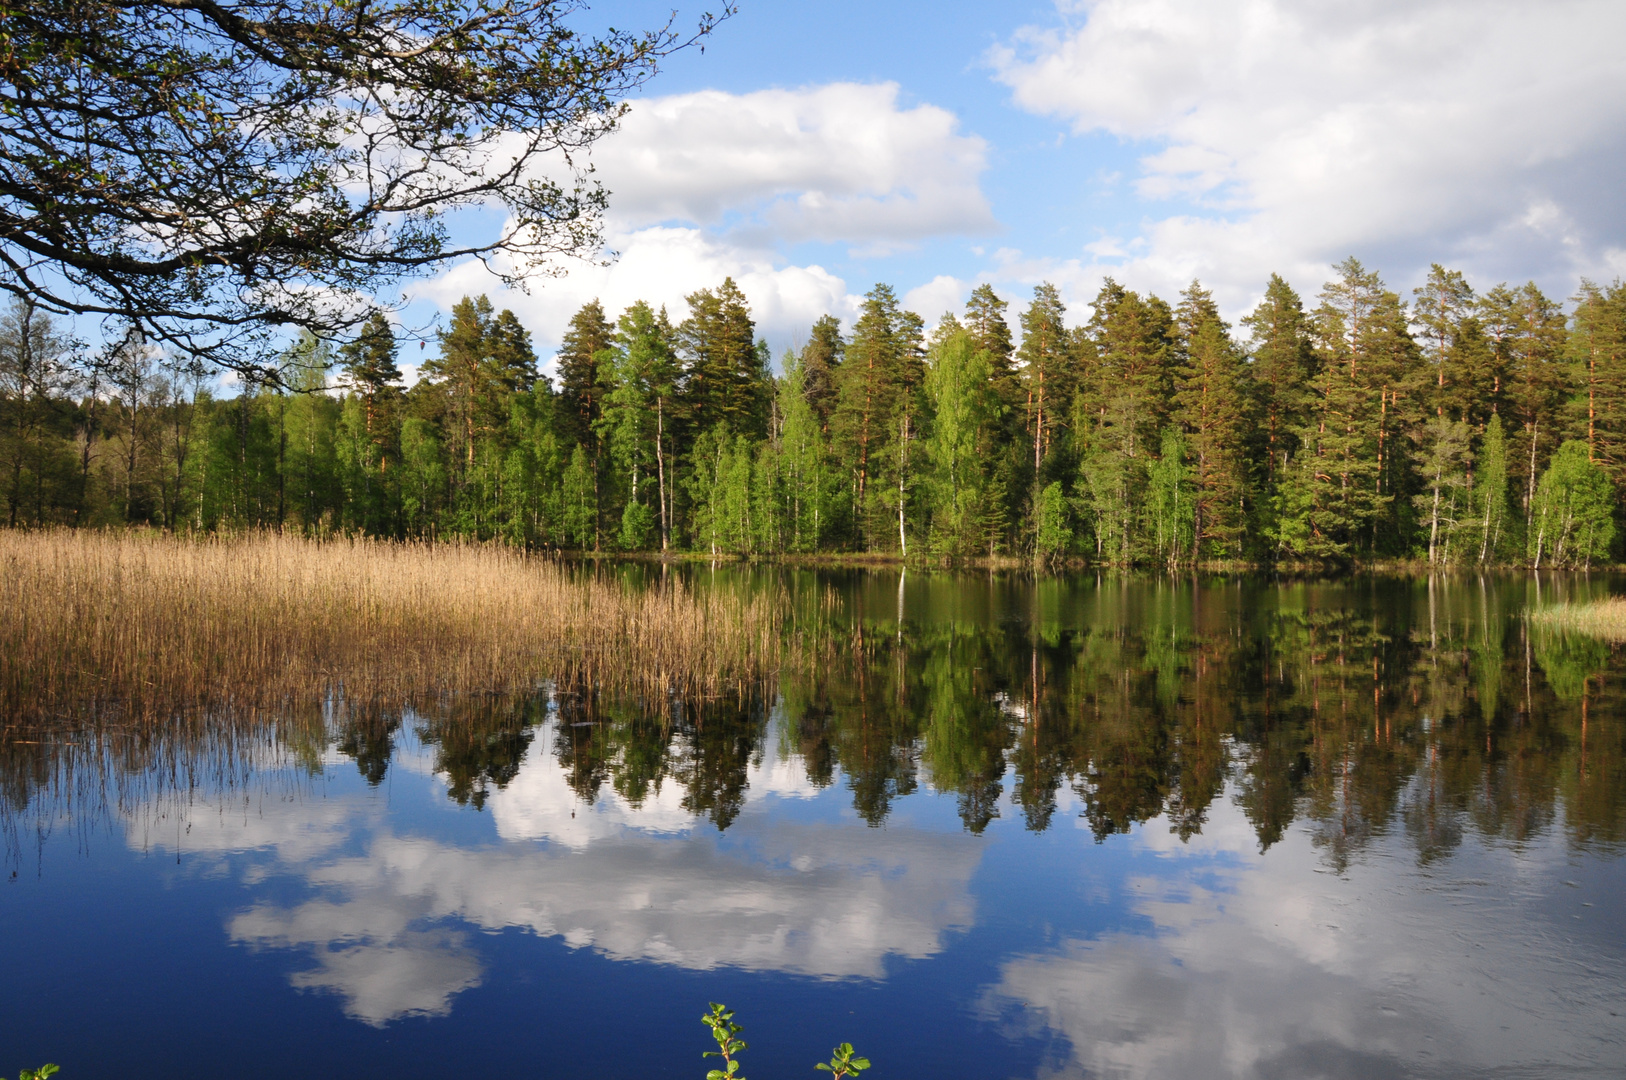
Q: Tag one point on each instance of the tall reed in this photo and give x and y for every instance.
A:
(1604, 619)
(145, 624)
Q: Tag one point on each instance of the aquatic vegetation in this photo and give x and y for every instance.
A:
(1604, 619)
(725, 1031)
(843, 1060)
(144, 626)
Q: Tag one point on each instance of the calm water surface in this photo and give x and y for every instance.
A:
(1077, 827)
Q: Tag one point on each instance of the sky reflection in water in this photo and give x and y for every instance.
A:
(1107, 830)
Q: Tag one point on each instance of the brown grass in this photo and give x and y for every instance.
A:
(149, 624)
(1604, 619)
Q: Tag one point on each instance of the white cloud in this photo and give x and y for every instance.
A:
(710, 185)
(842, 162)
(929, 301)
(1490, 135)
(661, 265)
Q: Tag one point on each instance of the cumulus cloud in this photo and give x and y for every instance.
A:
(662, 265)
(942, 293)
(843, 162)
(1485, 133)
(711, 185)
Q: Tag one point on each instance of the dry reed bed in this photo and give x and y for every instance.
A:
(1604, 619)
(148, 624)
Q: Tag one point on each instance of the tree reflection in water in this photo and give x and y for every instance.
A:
(1362, 706)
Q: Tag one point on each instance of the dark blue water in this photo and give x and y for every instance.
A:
(1176, 834)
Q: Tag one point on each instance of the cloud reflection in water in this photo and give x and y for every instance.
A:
(1269, 966)
(385, 925)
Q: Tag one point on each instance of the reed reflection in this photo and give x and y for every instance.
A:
(1430, 708)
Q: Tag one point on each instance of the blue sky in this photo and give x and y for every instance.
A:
(813, 150)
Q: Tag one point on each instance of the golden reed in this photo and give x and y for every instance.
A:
(144, 625)
(1604, 619)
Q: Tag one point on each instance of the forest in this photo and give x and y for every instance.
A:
(1454, 427)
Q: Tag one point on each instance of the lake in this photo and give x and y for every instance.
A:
(1104, 825)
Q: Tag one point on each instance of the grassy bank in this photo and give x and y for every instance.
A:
(1604, 619)
(150, 623)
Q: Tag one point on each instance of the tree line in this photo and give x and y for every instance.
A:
(1455, 426)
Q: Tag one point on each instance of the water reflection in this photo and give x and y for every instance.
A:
(1262, 967)
(1143, 698)
(805, 898)
(1140, 827)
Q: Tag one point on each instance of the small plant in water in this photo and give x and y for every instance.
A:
(38, 1074)
(842, 1062)
(724, 1030)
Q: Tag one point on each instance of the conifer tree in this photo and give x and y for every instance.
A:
(985, 322)
(1443, 303)
(1208, 407)
(580, 391)
(1046, 370)
(1280, 376)
(880, 377)
(1008, 461)
(1133, 383)
(370, 369)
(820, 360)
(1530, 331)
(1333, 493)
(725, 378)
(638, 378)
(1598, 355)
(462, 372)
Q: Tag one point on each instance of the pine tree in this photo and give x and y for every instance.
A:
(1280, 376)
(1008, 461)
(880, 379)
(820, 361)
(1208, 407)
(985, 322)
(485, 358)
(1046, 370)
(580, 391)
(637, 378)
(725, 378)
(1133, 339)
(1333, 493)
(1598, 356)
(371, 371)
(1442, 305)
(1529, 330)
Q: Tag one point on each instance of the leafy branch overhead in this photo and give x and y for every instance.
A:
(212, 170)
